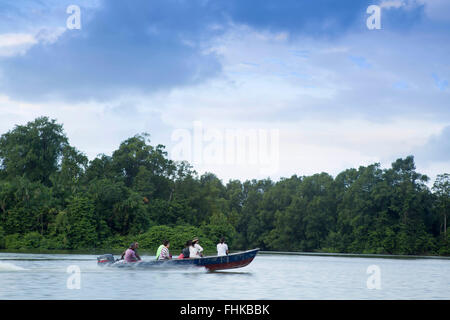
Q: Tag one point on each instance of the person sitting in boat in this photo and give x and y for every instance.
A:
(222, 248)
(185, 252)
(130, 255)
(195, 250)
(163, 251)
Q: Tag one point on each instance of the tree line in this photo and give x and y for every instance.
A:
(53, 197)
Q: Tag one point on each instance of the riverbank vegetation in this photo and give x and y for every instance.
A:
(53, 197)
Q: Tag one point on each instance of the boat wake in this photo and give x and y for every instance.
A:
(6, 267)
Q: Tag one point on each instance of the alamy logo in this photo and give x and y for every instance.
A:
(374, 21)
(374, 280)
(74, 280)
(74, 20)
(211, 146)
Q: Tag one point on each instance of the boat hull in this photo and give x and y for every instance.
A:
(212, 263)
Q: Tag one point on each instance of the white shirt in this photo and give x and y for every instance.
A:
(164, 254)
(222, 249)
(193, 252)
(199, 248)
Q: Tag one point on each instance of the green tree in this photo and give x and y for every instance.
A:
(2, 238)
(76, 225)
(33, 151)
(52, 197)
(441, 188)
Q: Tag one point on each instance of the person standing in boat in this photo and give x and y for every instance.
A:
(163, 251)
(195, 250)
(130, 255)
(222, 248)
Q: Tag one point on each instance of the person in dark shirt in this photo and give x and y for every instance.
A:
(185, 251)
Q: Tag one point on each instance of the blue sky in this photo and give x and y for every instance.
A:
(337, 94)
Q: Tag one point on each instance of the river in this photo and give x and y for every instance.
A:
(269, 276)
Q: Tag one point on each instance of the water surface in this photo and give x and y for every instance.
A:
(44, 276)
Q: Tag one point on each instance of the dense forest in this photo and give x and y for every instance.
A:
(53, 197)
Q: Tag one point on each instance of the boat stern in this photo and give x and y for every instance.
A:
(105, 259)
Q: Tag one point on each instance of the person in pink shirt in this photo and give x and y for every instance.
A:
(130, 254)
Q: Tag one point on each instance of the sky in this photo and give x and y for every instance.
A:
(245, 89)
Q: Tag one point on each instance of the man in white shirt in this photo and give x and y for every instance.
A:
(222, 248)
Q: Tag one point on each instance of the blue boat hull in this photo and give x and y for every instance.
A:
(231, 261)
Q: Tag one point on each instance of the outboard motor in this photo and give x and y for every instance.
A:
(105, 259)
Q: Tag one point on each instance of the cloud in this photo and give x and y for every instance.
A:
(433, 156)
(92, 127)
(373, 76)
(137, 46)
(437, 148)
(306, 147)
(325, 18)
(143, 47)
(340, 94)
(437, 10)
(392, 4)
(12, 44)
